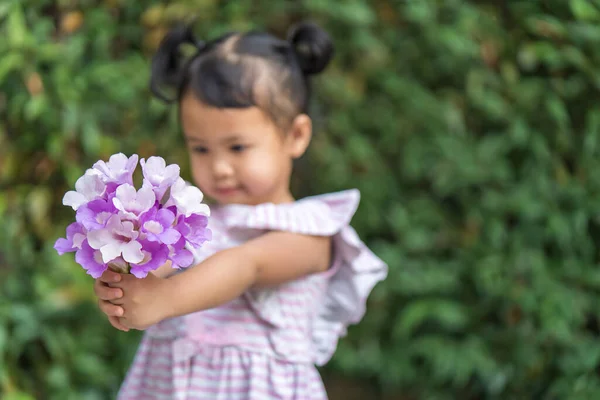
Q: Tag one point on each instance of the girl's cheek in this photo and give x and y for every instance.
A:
(259, 177)
(199, 174)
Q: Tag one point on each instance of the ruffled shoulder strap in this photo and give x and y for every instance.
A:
(355, 272)
(321, 215)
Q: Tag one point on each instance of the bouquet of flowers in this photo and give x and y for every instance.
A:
(134, 231)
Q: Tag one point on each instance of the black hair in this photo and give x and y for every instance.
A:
(240, 70)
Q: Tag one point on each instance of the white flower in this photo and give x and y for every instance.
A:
(131, 203)
(187, 199)
(158, 175)
(117, 239)
(118, 169)
(87, 188)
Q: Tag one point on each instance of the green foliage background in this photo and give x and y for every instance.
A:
(472, 129)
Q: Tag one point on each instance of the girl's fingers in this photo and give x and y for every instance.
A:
(107, 293)
(109, 298)
(118, 301)
(123, 321)
(110, 309)
(110, 277)
(114, 321)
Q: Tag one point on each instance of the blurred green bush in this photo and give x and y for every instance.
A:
(472, 129)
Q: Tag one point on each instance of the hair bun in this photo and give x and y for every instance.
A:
(168, 61)
(312, 45)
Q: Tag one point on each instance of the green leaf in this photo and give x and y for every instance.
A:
(591, 139)
(584, 10)
(35, 107)
(90, 138)
(5, 8)
(16, 28)
(9, 62)
(445, 313)
(17, 396)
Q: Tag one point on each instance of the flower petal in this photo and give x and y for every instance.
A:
(182, 258)
(187, 199)
(165, 217)
(63, 246)
(126, 194)
(132, 252)
(85, 258)
(131, 164)
(170, 236)
(78, 239)
(99, 238)
(90, 185)
(110, 251)
(159, 253)
(87, 217)
(73, 199)
(139, 271)
(95, 214)
(145, 199)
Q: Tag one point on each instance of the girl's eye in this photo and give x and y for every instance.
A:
(238, 148)
(201, 150)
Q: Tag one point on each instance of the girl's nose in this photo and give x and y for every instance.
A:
(221, 168)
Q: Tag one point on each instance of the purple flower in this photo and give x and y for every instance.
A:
(91, 260)
(157, 224)
(118, 238)
(131, 203)
(87, 188)
(75, 237)
(179, 255)
(118, 169)
(187, 199)
(95, 214)
(111, 191)
(194, 229)
(158, 176)
(130, 230)
(155, 255)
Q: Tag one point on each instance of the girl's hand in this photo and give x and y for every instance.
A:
(145, 301)
(107, 295)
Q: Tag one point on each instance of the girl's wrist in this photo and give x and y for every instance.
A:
(166, 299)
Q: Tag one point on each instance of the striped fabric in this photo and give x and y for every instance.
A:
(266, 343)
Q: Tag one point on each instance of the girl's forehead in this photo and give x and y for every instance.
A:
(225, 138)
(203, 123)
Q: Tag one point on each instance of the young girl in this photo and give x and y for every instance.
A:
(281, 279)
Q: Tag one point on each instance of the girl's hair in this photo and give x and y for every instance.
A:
(243, 70)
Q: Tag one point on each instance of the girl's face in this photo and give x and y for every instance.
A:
(238, 156)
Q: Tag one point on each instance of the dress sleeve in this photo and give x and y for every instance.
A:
(354, 273)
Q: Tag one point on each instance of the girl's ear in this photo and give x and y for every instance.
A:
(299, 135)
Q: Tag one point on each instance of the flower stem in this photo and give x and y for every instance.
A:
(122, 268)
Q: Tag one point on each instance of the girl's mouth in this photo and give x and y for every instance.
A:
(227, 191)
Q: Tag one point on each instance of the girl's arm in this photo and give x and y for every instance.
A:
(268, 260)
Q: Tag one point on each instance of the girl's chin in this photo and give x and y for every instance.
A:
(235, 196)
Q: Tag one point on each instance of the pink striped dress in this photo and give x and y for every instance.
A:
(266, 343)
